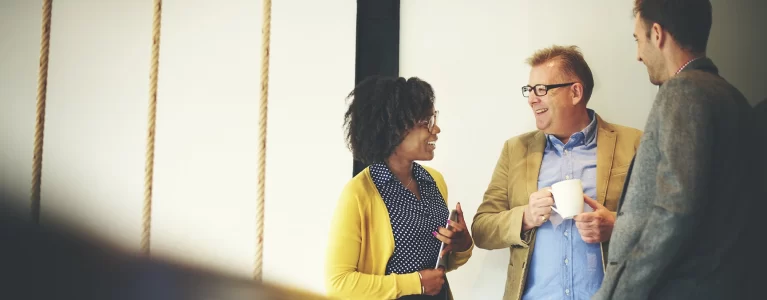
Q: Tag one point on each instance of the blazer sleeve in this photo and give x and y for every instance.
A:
(496, 225)
(685, 119)
(342, 278)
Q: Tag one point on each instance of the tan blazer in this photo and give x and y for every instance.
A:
(498, 222)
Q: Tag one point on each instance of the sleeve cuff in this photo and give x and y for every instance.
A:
(518, 237)
(527, 237)
(463, 256)
(408, 284)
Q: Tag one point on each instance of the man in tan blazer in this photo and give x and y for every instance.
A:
(572, 142)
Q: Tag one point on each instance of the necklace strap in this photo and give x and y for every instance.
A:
(685, 65)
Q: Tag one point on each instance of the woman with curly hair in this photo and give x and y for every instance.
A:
(391, 218)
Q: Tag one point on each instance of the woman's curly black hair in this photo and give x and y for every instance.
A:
(382, 111)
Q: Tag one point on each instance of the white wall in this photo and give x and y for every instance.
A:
(96, 116)
(312, 70)
(207, 133)
(19, 58)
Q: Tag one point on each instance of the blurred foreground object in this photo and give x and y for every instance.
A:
(51, 262)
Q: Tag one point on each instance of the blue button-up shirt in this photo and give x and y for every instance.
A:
(563, 266)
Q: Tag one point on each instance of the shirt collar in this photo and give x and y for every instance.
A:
(383, 175)
(583, 137)
(590, 132)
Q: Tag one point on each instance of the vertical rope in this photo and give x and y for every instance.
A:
(265, 40)
(42, 93)
(149, 165)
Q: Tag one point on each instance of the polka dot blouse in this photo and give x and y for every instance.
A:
(412, 220)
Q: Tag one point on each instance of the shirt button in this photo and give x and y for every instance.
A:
(567, 177)
(565, 233)
(567, 291)
(566, 261)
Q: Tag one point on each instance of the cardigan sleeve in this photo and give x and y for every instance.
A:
(342, 278)
(458, 259)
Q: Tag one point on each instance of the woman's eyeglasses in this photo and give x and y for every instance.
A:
(431, 121)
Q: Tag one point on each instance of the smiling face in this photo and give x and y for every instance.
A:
(420, 142)
(648, 51)
(552, 109)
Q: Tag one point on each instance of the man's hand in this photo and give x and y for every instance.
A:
(596, 226)
(538, 209)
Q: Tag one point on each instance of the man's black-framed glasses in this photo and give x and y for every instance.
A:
(541, 89)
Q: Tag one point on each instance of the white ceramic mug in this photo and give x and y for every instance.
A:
(568, 196)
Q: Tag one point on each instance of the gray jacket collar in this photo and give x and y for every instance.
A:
(702, 64)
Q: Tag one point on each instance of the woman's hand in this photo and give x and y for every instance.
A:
(432, 280)
(457, 237)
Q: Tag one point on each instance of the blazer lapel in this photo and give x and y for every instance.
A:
(534, 160)
(626, 184)
(605, 150)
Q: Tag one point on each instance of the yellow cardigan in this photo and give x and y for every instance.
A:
(361, 243)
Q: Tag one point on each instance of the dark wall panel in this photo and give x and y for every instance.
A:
(377, 43)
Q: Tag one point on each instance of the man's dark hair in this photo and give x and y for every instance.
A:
(688, 21)
(382, 111)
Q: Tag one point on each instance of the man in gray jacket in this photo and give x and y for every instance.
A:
(682, 220)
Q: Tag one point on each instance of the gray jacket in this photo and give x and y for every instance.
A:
(680, 230)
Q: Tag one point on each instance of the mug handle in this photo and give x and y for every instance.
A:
(552, 195)
(554, 209)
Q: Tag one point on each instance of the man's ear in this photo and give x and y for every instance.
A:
(576, 91)
(658, 35)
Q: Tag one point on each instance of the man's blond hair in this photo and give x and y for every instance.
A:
(571, 62)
